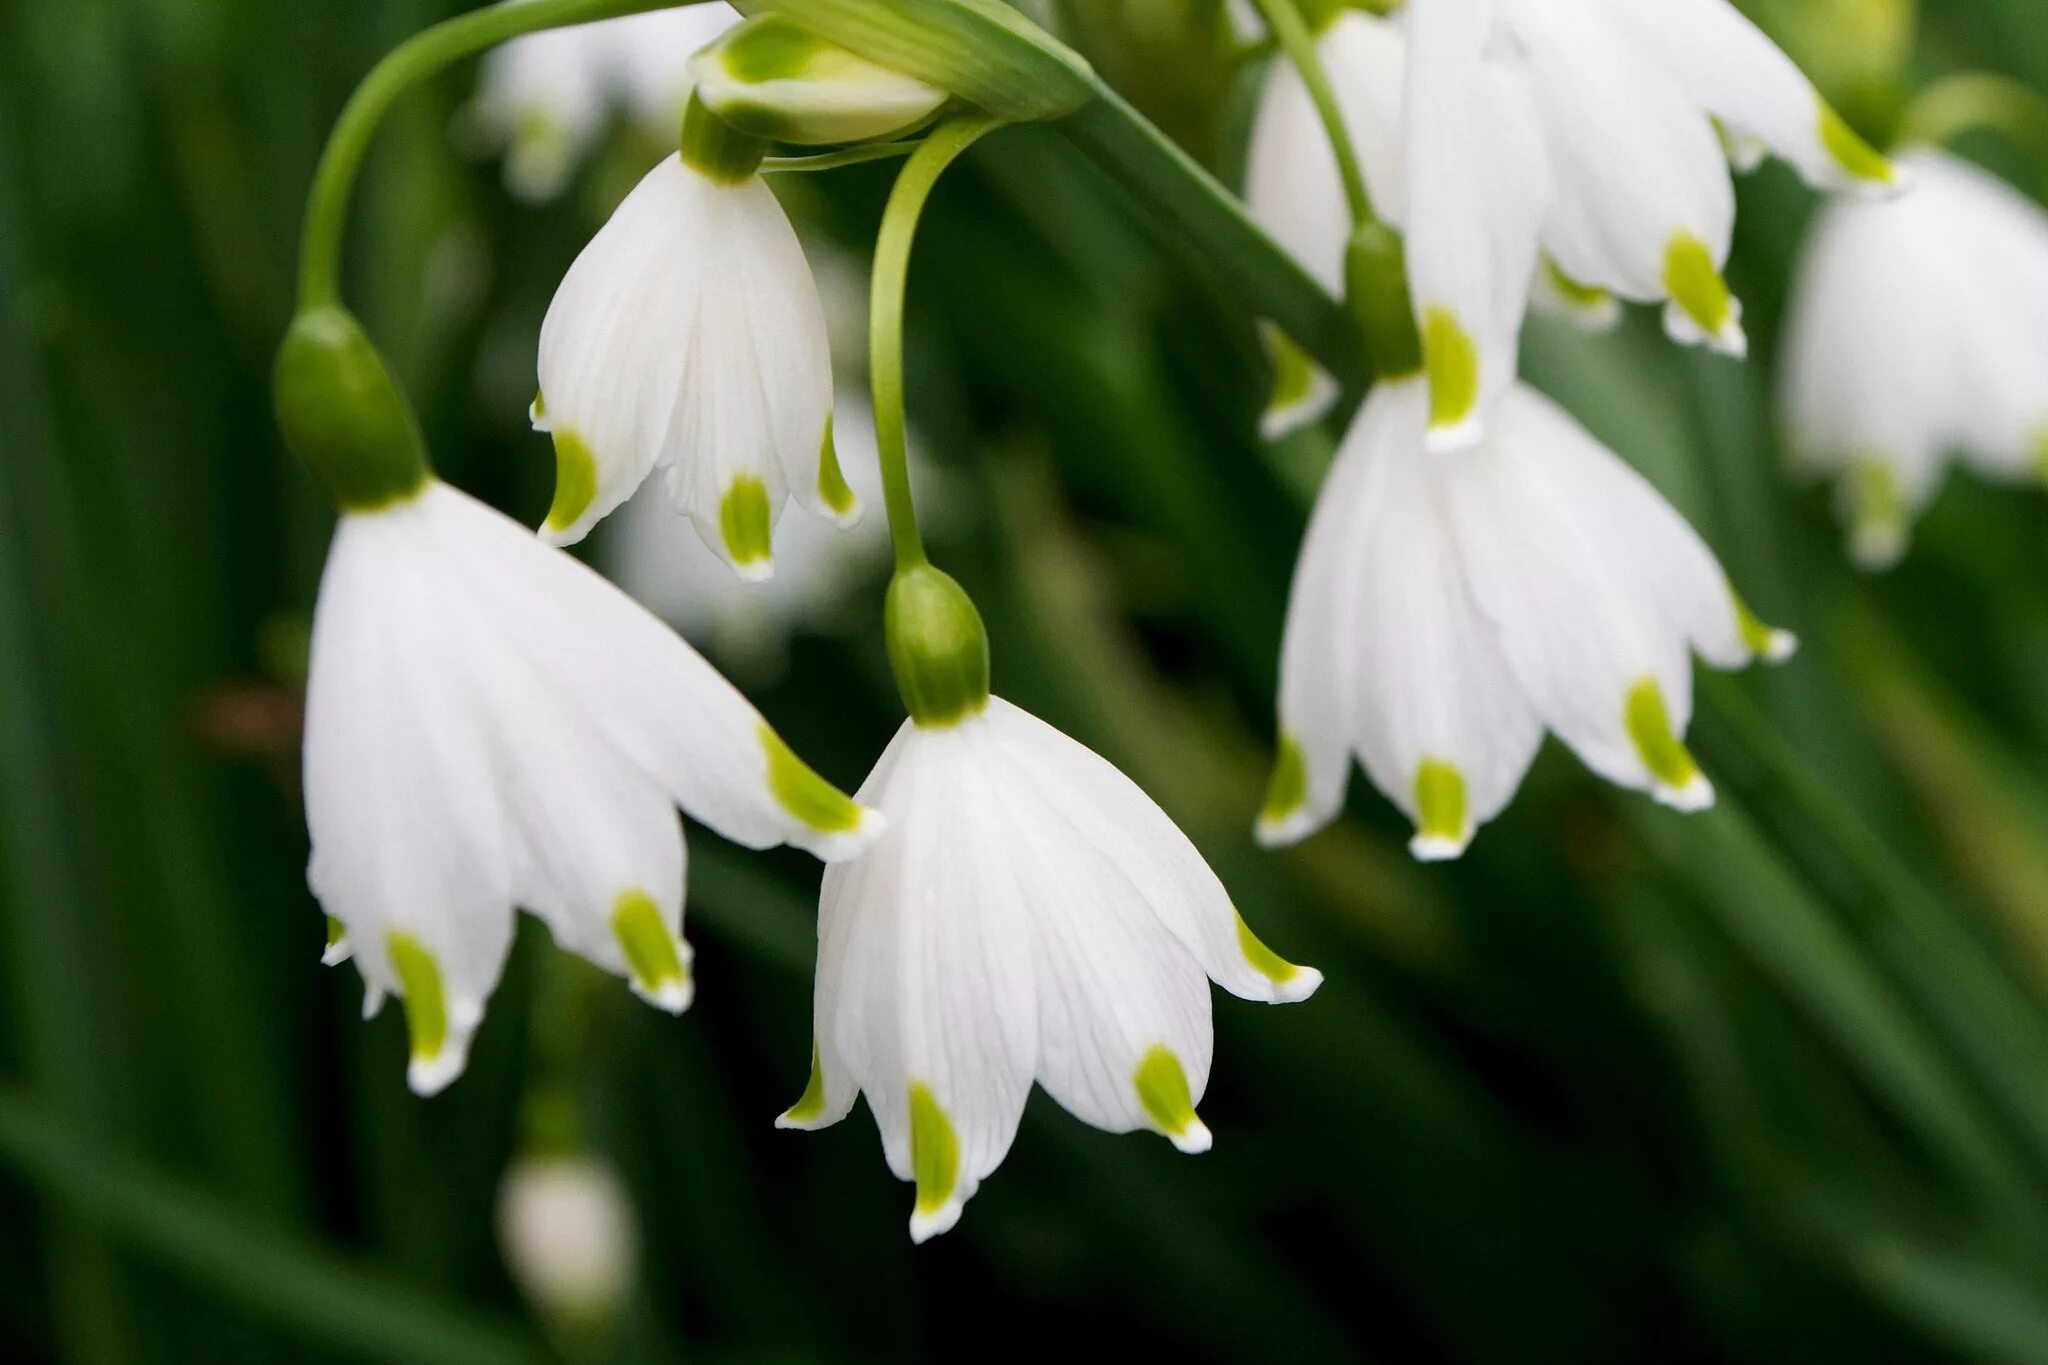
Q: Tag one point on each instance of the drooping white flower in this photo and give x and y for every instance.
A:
(1446, 612)
(489, 724)
(689, 336)
(1033, 915)
(545, 97)
(1576, 149)
(1293, 190)
(1919, 329)
(568, 1236)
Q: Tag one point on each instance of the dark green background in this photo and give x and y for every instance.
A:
(1767, 1084)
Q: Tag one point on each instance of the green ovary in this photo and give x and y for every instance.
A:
(419, 985)
(1163, 1090)
(934, 1150)
(575, 482)
(805, 795)
(1288, 791)
(1264, 960)
(1440, 801)
(744, 522)
(1649, 727)
(1451, 358)
(650, 949)
(1694, 283)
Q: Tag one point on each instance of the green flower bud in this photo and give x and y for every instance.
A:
(937, 647)
(1376, 288)
(777, 80)
(344, 415)
(981, 51)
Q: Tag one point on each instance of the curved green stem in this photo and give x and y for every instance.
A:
(1978, 101)
(420, 56)
(845, 156)
(1291, 32)
(885, 317)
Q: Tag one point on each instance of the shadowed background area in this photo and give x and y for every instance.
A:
(1765, 1084)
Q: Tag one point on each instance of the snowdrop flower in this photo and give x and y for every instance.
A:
(568, 1236)
(1447, 612)
(1032, 916)
(1573, 149)
(545, 97)
(689, 336)
(1919, 327)
(490, 724)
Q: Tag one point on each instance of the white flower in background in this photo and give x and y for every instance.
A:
(689, 335)
(1919, 329)
(1574, 148)
(817, 567)
(567, 1232)
(1446, 612)
(1033, 915)
(1293, 190)
(489, 724)
(545, 97)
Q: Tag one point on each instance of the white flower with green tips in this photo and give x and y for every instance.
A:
(1918, 330)
(489, 724)
(1031, 916)
(1446, 613)
(1565, 152)
(689, 337)
(545, 98)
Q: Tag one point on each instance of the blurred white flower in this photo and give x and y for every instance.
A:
(818, 568)
(689, 335)
(1032, 916)
(1446, 612)
(1578, 148)
(1918, 329)
(568, 1236)
(489, 724)
(544, 98)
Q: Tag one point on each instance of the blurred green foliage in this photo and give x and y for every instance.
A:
(1767, 1084)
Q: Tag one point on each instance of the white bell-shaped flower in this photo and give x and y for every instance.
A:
(544, 98)
(567, 1232)
(689, 336)
(1919, 329)
(1447, 612)
(1293, 190)
(1032, 916)
(489, 724)
(1570, 151)
(1595, 133)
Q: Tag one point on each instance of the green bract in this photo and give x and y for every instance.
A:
(982, 51)
(937, 647)
(773, 78)
(343, 414)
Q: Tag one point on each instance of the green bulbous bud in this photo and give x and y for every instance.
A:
(981, 51)
(774, 79)
(1376, 289)
(938, 648)
(344, 415)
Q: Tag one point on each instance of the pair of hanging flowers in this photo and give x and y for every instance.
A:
(1479, 570)
(493, 726)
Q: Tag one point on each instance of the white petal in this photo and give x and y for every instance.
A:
(1640, 203)
(926, 941)
(541, 97)
(1726, 64)
(1139, 844)
(1594, 613)
(1476, 189)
